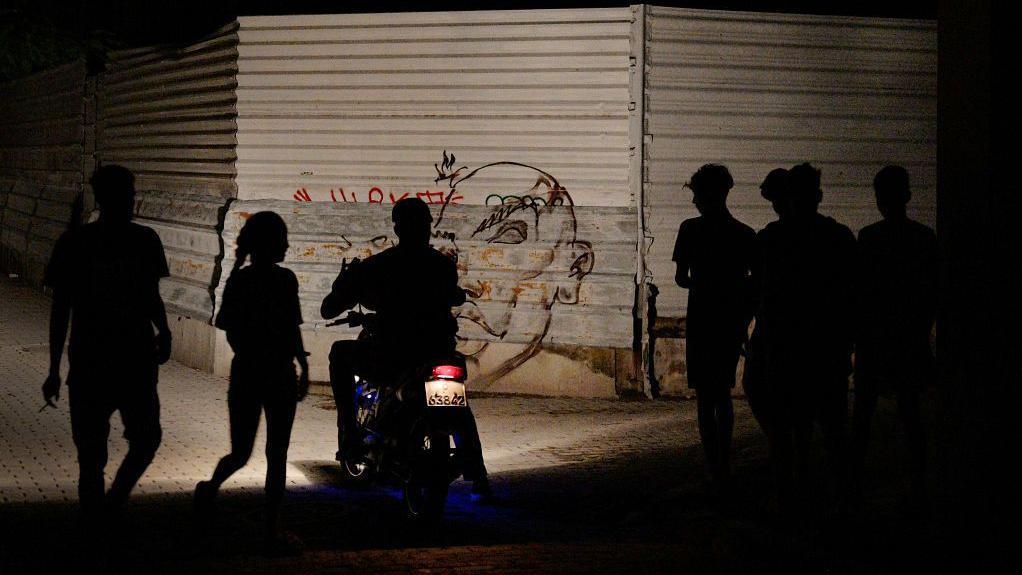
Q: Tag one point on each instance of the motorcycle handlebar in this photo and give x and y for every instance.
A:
(352, 319)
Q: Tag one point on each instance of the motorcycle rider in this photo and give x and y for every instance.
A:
(412, 288)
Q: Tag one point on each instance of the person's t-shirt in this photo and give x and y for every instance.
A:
(808, 288)
(721, 256)
(111, 272)
(897, 279)
(260, 312)
(412, 291)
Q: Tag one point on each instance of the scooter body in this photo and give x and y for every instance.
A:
(407, 427)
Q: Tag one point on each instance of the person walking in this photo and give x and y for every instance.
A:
(105, 278)
(717, 260)
(261, 315)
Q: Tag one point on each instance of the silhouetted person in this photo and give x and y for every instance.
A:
(106, 279)
(897, 280)
(755, 383)
(716, 258)
(412, 288)
(806, 315)
(261, 315)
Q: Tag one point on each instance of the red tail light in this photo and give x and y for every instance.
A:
(448, 372)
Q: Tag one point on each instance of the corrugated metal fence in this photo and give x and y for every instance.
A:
(534, 133)
(168, 114)
(760, 91)
(42, 143)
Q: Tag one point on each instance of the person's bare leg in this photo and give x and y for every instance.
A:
(280, 417)
(909, 412)
(802, 432)
(725, 430)
(862, 420)
(244, 410)
(141, 417)
(707, 420)
(833, 423)
(780, 440)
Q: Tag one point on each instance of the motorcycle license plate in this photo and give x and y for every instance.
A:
(445, 393)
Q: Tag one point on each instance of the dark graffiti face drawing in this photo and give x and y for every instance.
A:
(531, 241)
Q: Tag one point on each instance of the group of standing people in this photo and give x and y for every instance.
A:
(818, 299)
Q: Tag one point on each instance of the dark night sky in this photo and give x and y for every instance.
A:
(38, 34)
(145, 22)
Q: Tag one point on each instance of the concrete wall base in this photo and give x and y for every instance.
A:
(672, 371)
(193, 342)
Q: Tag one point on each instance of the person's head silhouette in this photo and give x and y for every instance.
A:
(892, 191)
(710, 185)
(412, 221)
(263, 238)
(804, 193)
(114, 188)
(774, 189)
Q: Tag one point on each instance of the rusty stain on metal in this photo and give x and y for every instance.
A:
(480, 290)
(335, 249)
(490, 254)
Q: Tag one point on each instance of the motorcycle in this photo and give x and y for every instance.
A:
(407, 428)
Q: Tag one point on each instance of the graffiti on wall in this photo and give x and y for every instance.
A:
(375, 195)
(518, 260)
(538, 218)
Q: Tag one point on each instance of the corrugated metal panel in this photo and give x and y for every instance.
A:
(41, 139)
(516, 283)
(356, 102)
(760, 91)
(188, 226)
(168, 114)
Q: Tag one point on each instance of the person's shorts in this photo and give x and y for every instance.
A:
(92, 406)
(711, 362)
(893, 368)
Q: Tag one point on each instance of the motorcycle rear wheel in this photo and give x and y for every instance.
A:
(425, 491)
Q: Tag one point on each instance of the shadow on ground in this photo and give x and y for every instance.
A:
(636, 512)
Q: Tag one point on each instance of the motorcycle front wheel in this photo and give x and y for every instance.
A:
(425, 491)
(356, 472)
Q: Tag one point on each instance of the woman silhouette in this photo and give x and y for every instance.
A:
(260, 313)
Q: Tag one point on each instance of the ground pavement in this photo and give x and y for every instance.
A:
(582, 486)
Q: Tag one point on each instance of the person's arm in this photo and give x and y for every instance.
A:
(682, 275)
(850, 290)
(753, 281)
(931, 274)
(303, 363)
(157, 310)
(159, 319)
(343, 294)
(301, 356)
(57, 277)
(60, 315)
